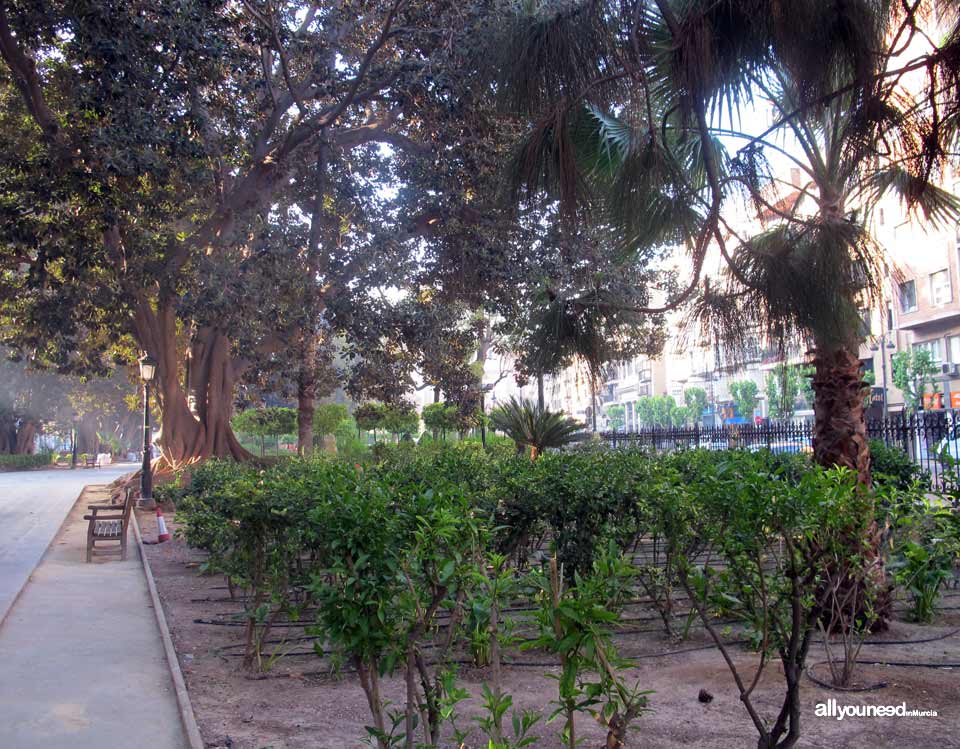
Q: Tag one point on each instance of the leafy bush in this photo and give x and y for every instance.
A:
(381, 551)
(441, 418)
(25, 462)
(926, 548)
(775, 537)
(265, 422)
(893, 465)
(328, 416)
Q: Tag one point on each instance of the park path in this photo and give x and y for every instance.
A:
(33, 505)
(83, 664)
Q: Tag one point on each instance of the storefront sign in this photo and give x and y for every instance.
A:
(932, 401)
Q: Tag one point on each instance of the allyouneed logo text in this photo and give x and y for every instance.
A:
(831, 709)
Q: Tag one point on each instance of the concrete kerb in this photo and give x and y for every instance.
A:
(187, 718)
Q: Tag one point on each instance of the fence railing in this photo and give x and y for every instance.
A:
(930, 438)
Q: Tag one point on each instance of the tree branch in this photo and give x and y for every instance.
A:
(24, 71)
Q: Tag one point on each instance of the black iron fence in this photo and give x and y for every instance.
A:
(930, 438)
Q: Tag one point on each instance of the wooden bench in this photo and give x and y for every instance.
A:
(91, 462)
(109, 528)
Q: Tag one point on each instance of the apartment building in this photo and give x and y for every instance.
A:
(921, 308)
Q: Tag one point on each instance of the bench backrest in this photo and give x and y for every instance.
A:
(128, 501)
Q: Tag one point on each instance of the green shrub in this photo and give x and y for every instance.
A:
(380, 551)
(775, 538)
(350, 446)
(892, 465)
(925, 537)
(25, 462)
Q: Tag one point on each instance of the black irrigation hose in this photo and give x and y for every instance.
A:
(505, 663)
(711, 646)
(951, 633)
(620, 633)
(907, 664)
(826, 685)
(518, 608)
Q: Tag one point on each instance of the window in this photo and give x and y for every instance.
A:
(645, 372)
(908, 296)
(953, 348)
(866, 324)
(940, 291)
(889, 317)
(936, 352)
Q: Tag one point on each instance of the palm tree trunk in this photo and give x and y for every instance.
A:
(839, 430)
(840, 439)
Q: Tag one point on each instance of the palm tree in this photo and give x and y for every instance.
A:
(532, 427)
(581, 309)
(632, 105)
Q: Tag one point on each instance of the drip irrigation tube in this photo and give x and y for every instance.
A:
(827, 685)
(506, 663)
(908, 664)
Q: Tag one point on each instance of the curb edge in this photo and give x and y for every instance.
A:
(187, 718)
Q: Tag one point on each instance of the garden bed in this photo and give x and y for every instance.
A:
(298, 703)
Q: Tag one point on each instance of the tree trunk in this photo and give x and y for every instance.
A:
(540, 390)
(840, 439)
(26, 438)
(306, 392)
(190, 432)
(309, 338)
(8, 435)
(839, 431)
(88, 441)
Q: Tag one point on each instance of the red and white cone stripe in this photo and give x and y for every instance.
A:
(162, 533)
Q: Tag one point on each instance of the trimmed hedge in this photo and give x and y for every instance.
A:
(25, 462)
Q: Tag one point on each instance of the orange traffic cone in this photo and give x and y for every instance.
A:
(162, 533)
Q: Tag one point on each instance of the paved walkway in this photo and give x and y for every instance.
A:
(81, 661)
(33, 505)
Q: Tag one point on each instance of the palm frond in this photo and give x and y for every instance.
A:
(549, 51)
(546, 163)
(597, 326)
(848, 35)
(647, 185)
(937, 205)
(802, 281)
(712, 50)
(528, 425)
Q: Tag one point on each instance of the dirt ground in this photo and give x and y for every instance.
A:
(299, 705)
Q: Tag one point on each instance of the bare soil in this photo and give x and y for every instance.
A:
(299, 704)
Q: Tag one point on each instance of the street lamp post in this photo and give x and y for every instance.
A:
(882, 347)
(148, 368)
(73, 441)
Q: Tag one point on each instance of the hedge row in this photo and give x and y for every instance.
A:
(25, 462)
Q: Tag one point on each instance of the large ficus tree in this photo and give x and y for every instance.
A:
(143, 145)
(632, 107)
